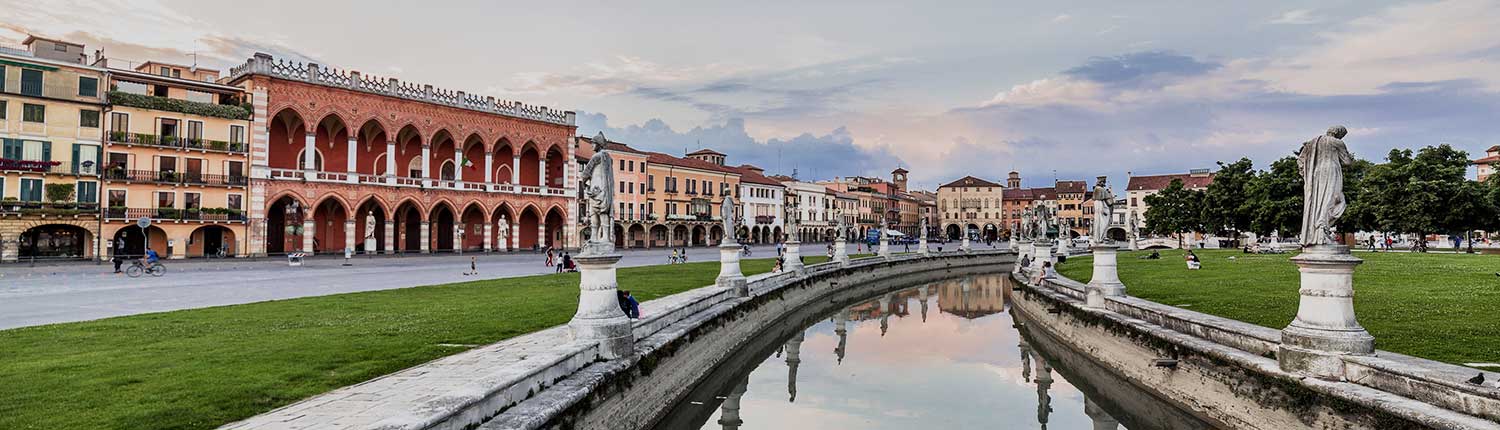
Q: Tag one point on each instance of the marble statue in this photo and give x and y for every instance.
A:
(922, 226)
(599, 190)
(1321, 162)
(726, 211)
(1104, 210)
(369, 225)
(1135, 226)
(1028, 230)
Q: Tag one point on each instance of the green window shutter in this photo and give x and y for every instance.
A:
(10, 149)
(88, 192)
(46, 151)
(2, 79)
(88, 87)
(75, 158)
(31, 190)
(31, 82)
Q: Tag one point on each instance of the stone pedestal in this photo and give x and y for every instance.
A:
(729, 270)
(841, 251)
(885, 248)
(792, 260)
(922, 247)
(1042, 253)
(1325, 328)
(1106, 280)
(964, 246)
(599, 317)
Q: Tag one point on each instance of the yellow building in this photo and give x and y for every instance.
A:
(176, 152)
(684, 196)
(971, 206)
(51, 123)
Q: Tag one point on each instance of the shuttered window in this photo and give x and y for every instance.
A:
(33, 113)
(88, 192)
(31, 82)
(88, 87)
(31, 190)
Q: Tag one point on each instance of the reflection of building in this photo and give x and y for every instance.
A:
(50, 130)
(973, 297)
(970, 206)
(177, 152)
(895, 304)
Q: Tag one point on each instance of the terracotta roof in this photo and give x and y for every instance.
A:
(899, 170)
(608, 146)
(32, 37)
(970, 181)
(1488, 160)
(705, 151)
(1071, 186)
(1157, 182)
(660, 158)
(1048, 193)
(751, 176)
(1495, 148)
(783, 178)
(1017, 194)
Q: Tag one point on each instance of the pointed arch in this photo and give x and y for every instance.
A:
(370, 147)
(408, 155)
(285, 139)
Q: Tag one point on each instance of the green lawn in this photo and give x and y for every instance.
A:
(201, 368)
(1444, 307)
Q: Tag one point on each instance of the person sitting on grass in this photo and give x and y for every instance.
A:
(1153, 256)
(1192, 261)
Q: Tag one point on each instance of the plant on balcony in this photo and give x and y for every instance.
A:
(218, 145)
(167, 176)
(59, 192)
(121, 98)
(167, 141)
(170, 213)
(119, 136)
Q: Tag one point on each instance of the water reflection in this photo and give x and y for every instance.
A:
(966, 366)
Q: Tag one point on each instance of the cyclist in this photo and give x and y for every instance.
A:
(151, 257)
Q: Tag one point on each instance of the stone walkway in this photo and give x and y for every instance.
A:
(85, 291)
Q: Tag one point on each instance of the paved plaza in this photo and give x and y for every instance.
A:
(85, 291)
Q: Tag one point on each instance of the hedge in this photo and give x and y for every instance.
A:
(174, 105)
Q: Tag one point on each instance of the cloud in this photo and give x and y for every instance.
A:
(1061, 18)
(1137, 68)
(812, 156)
(1297, 17)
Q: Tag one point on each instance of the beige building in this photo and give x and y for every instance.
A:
(176, 151)
(1139, 187)
(51, 108)
(971, 206)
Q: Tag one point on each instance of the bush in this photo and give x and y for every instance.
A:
(59, 192)
(175, 105)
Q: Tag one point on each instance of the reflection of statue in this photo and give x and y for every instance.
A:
(1321, 162)
(369, 225)
(1104, 209)
(726, 211)
(599, 189)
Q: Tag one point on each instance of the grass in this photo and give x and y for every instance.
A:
(201, 368)
(1444, 307)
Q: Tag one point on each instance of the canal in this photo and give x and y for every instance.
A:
(948, 355)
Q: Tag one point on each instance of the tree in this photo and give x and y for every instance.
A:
(1225, 208)
(1423, 192)
(1275, 199)
(1174, 210)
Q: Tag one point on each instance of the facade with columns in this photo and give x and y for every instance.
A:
(816, 207)
(340, 160)
(761, 206)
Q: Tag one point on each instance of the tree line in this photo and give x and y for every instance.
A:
(1418, 192)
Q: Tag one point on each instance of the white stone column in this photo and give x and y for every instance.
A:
(309, 144)
(515, 236)
(1106, 280)
(489, 240)
(1325, 328)
(841, 250)
(922, 245)
(541, 170)
(792, 259)
(515, 170)
(964, 246)
(390, 162)
(349, 234)
(353, 159)
(1043, 255)
(459, 231)
(489, 169)
(729, 268)
(599, 318)
(427, 167)
(793, 359)
(458, 167)
(885, 244)
(309, 228)
(390, 236)
(426, 245)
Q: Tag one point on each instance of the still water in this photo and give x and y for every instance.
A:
(946, 355)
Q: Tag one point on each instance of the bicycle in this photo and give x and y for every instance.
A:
(137, 268)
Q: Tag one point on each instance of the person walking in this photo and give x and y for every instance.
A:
(562, 263)
(473, 266)
(549, 256)
(119, 255)
(684, 255)
(672, 259)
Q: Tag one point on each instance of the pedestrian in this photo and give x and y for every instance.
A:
(634, 311)
(684, 254)
(119, 254)
(779, 261)
(779, 248)
(830, 250)
(473, 266)
(549, 256)
(906, 247)
(1192, 261)
(1047, 272)
(562, 265)
(672, 259)
(624, 302)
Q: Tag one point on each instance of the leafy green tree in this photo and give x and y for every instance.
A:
(1275, 199)
(1175, 210)
(1225, 208)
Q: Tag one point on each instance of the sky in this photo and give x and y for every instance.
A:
(1065, 89)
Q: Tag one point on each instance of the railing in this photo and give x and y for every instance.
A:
(175, 214)
(177, 142)
(403, 180)
(528, 189)
(287, 174)
(49, 208)
(765, 219)
(171, 177)
(557, 191)
(264, 64)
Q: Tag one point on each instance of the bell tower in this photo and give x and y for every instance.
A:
(898, 177)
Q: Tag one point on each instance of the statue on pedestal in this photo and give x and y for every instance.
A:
(369, 226)
(599, 190)
(922, 228)
(1027, 227)
(1321, 162)
(726, 211)
(1104, 209)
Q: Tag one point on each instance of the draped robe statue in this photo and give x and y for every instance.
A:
(726, 211)
(1321, 162)
(922, 228)
(599, 190)
(1027, 229)
(1104, 202)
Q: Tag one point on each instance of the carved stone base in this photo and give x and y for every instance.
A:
(599, 317)
(729, 270)
(841, 251)
(792, 260)
(922, 247)
(885, 248)
(1042, 253)
(1106, 280)
(1325, 327)
(964, 245)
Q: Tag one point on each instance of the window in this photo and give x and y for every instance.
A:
(164, 71)
(31, 82)
(236, 169)
(631, 165)
(4, 106)
(192, 200)
(88, 192)
(30, 150)
(31, 190)
(176, 73)
(33, 113)
(235, 202)
(130, 87)
(650, 182)
(620, 187)
(166, 199)
(119, 159)
(119, 122)
(88, 87)
(236, 134)
(59, 47)
(85, 159)
(195, 130)
(88, 118)
(116, 198)
(622, 165)
(2, 78)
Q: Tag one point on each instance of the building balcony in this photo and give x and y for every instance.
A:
(411, 182)
(175, 214)
(45, 209)
(175, 178)
(765, 219)
(175, 142)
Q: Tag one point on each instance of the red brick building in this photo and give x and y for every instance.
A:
(436, 170)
